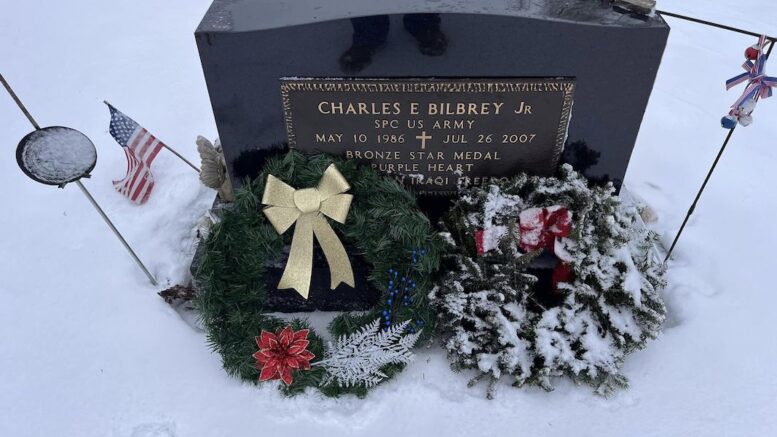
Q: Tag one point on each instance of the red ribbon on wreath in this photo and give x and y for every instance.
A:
(561, 274)
(541, 226)
(539, 229)
(479, 236)
(282, 352)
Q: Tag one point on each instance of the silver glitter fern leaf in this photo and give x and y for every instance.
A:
(357, 359)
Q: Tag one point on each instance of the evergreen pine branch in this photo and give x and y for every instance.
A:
(497, 327)
(230, 274)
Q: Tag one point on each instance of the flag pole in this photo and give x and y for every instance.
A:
(180, 156)
(83, 188)
(170, 149)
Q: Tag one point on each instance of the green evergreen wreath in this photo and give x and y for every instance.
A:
(385, 227)
(494, 319)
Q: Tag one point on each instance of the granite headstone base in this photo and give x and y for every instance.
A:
(362, 297)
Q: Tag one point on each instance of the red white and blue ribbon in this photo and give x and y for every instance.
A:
(759, 86)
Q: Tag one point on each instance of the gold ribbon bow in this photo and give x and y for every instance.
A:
(307, 207)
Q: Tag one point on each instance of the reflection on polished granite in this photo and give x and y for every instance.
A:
(248, 15)
(247, 46)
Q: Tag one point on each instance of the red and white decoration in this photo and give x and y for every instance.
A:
(540, 228)
(759, 86)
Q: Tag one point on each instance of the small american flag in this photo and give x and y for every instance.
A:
(141, 148)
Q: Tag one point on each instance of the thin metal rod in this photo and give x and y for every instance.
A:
(84, 190)
(19, 102)
(718, 25)
(116, 231)
(170, 149)
(698, 195)
(180, 156)
(709, 174)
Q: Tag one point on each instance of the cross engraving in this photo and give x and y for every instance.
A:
(423, 137)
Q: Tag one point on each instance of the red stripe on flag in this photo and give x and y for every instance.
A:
(147, 194)
(143, 149)
(136, 191)
(135, 173)
(126, 180)
(127, 155)
(131, 175)
(154, 152)
(121, 184)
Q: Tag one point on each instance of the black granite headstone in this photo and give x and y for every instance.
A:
(250, 48)
(247, 46)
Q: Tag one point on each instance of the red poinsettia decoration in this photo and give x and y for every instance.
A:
(282, 352)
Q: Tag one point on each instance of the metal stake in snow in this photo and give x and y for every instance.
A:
(57, 155)
(116, 231)
(712, 169)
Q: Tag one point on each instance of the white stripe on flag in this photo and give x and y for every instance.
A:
(137, 138)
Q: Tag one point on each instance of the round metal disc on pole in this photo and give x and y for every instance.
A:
(56, 155)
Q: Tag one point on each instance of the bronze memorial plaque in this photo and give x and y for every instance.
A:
(433, 134)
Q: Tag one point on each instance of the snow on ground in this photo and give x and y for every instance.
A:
(88, 349)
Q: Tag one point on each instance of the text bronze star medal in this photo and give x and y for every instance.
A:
(433, 134)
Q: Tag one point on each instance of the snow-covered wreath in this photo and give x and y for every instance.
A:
(383, 224)
(599, 300)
